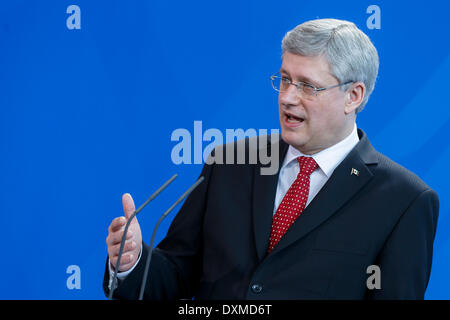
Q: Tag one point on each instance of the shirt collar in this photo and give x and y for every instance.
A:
(329, 158)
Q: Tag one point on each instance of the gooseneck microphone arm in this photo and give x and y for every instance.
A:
(122, 243)
(149, 257)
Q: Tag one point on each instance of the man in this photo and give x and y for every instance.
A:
(335, 209)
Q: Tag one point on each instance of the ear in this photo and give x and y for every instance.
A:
(354, 97)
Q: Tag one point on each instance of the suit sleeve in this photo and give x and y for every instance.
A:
(176, 263)
(405, 261)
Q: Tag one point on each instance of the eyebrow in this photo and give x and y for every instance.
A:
(303, 78)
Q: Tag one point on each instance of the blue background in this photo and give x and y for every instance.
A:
(86, 115)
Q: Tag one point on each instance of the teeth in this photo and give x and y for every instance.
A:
(293, 120)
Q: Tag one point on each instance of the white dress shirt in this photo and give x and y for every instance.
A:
(327, 159)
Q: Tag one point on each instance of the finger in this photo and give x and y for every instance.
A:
(130, 245)
(116, 237)
(126, 261)
(117, 224)
(128, 205)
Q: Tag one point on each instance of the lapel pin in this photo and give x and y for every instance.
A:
(355, 172)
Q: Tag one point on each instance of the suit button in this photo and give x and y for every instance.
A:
(257, 288)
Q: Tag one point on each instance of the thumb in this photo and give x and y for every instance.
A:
(128, 205)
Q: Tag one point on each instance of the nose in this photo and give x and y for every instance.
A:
(290, 96)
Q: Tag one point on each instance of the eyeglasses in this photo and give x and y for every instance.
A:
(308, 91)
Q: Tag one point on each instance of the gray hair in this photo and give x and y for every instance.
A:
(349, 52)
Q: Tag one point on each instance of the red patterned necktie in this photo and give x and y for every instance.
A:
(294, 201)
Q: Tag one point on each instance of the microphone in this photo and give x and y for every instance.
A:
(149, 257)
(122, 243)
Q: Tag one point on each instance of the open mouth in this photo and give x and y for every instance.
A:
(293, 121)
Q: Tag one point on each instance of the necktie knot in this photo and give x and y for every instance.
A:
(307, 165)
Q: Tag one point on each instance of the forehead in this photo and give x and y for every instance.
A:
(310, 69)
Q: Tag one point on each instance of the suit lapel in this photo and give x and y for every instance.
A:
(264, 190)
(339, 189)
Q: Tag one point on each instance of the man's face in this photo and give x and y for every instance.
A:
(312, 125)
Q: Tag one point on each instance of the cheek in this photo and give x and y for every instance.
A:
(323, 119)
(316, 115)
(279, 104)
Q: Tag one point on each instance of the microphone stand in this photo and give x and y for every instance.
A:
(122, 243)
(149, 257)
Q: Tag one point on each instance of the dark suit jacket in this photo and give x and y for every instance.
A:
(216, 246)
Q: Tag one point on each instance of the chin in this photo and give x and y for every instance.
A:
(292, 138)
